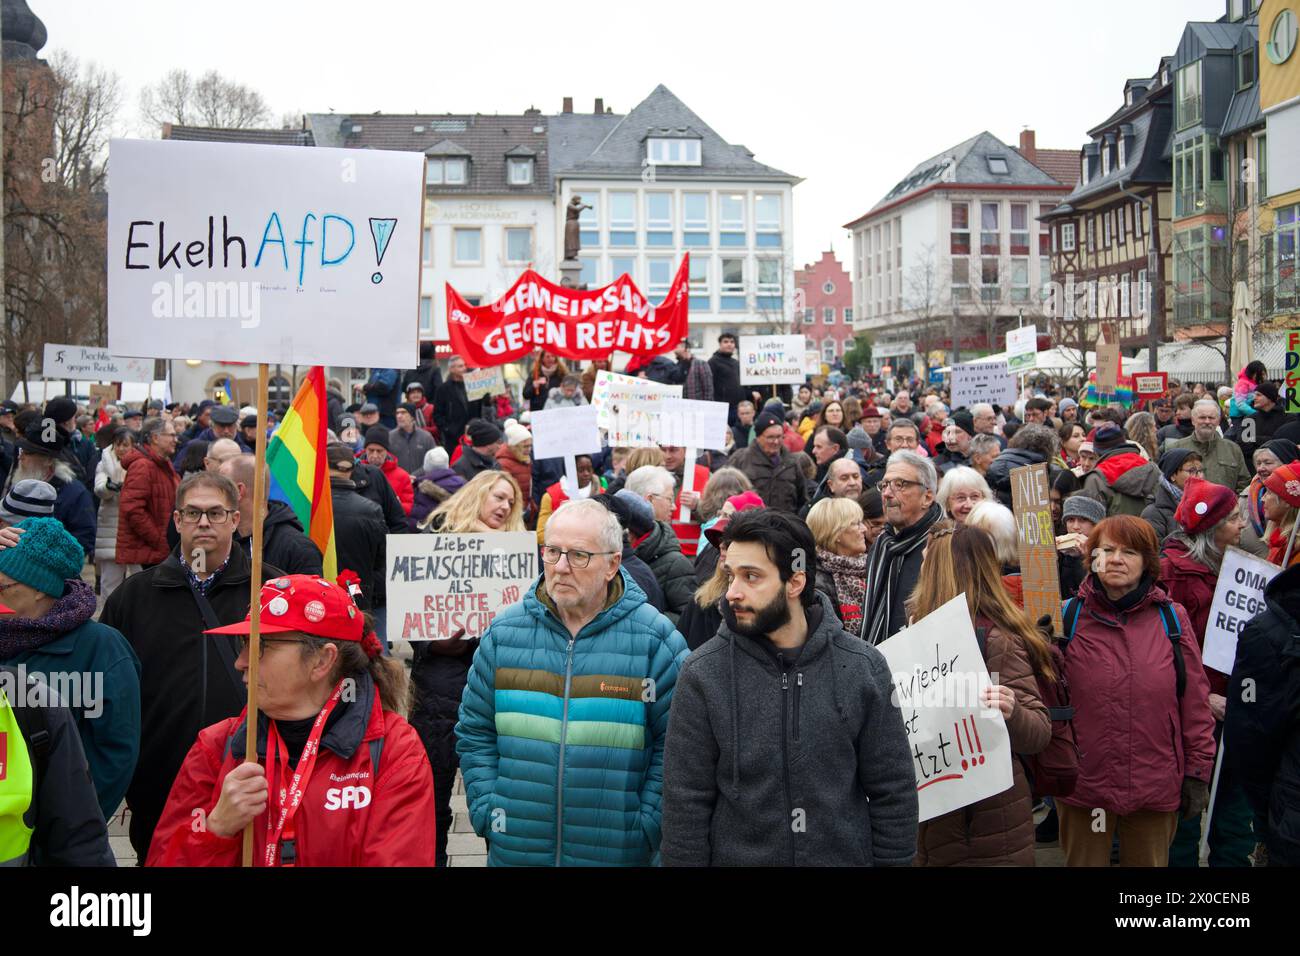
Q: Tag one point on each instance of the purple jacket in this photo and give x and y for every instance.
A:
(1137, 738)
(443, 478)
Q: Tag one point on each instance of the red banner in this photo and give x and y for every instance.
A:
(537, 313)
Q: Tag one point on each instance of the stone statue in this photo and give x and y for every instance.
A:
(572, 241)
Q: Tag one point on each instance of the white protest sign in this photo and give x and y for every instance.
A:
(483, 382)
(445, 586)
(628, 408)
(812, 362)
(772, 359)
(566, 433)
(691, 424)
(1238, 597)
(1022, 349)
(960, 749)
(983, 382)
(253, 253)
(89, 363)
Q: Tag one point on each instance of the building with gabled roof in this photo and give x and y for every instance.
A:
(662, 182)
(952, 255)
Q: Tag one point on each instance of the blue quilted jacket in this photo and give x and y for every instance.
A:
(561, 739)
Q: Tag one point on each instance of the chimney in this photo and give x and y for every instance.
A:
(1027, 147)
(568, 105)
(600, 106)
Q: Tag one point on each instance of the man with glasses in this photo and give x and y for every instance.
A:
(564, 715)
(147, 497)
(903, 435)
(907, 492)
(188, 680)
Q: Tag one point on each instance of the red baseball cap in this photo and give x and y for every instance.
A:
(306, 604)
(6, 610)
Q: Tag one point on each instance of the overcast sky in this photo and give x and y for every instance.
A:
(848, 96)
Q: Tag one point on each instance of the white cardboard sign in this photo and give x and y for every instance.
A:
(93, 364)
(251, 253)
(1238, 597)
(693, 424)
(772, 359)
(961, 751)
(628, 408)
(445, 586)
(483, 382)
(983, 382)
(559, 432)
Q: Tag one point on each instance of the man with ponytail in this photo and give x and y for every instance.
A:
(339, 779)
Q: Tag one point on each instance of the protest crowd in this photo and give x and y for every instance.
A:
(701, 672)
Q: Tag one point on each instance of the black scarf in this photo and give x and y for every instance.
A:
(884, 565)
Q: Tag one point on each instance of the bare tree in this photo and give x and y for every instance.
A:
(211, 100)
(928, 302)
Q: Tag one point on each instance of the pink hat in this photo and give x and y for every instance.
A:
(1204, 504)
(746, 500)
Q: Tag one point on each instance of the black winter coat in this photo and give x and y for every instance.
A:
(644, 577)
(783, 487)
(999, 474)
(452, 411)
(672, 569)
(726, 380)
(372, 484)
(284, 544)
(1263, 718)
(359, 539)
(185, 685)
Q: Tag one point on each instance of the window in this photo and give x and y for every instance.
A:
(961, 280)
(1067, 237)
(622, 210)
(731, 211)
(733, 275)
(1019, 229)
(1281, 38)
(960, 243)
(1143, 304)
(469, 246)
(659, 210)
(809, 316)
(828, 287)
(587, 276)
(767, 212)
(1092, 233)
(1105, 230)
(1189, 95)
(1125, 298)
(1138, 212)
(1019, 280)
(989, 291)
(519, 245)
(769, 276)
(660, 273)
(443, 171)
(626, 265)
(426, 247)
(700, 275)
(1123, 160)
(589, 223)
(695, 210)
(426, 314)
(1045, 241)
(990, 240)
(828, 350)
(673, 152)
(1246, 68)
(1083, 169)
(1105, 158)
(521, 170)
(828, 315)
(848, 316)
(998, 165)
(1286, 237)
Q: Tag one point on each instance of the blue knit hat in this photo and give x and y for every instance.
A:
(45, 557)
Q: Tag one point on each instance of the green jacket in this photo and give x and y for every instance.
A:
(1222, 460)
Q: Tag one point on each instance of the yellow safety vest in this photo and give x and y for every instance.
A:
(15, 788)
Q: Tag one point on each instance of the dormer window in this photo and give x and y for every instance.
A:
(672, 151)
(446, 171)
(1123, 159)
(1105, 159)
(1083, 169)
(521, 170)
(998, 166)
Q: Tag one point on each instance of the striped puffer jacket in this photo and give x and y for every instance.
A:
(561, 739)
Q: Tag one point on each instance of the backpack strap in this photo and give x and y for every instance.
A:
(35, 727)
(1070, 617)
(1174, 631)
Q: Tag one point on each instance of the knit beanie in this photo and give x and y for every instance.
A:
(1108, 436)
(378, 435)
(28, 498)
(1204, 504)
(1081, 506)
(858, 439)
(1285, 483)
(45, 557)
(482, 433)
(516, 433)
(1173, 459)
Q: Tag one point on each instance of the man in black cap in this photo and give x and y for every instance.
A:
(79, 452)
(726, 375)
(224, 423)
(40, 457)
(954, 450)
(133, 418)
(767, 463)
(379, 455)
(247, 436)
(367, 417)
(481, 454)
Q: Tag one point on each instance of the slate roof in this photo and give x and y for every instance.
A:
(1243, 109)
(1201, 38)
(211, 134)
(609, 145)
(485, 139)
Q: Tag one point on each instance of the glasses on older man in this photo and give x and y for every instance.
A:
(577, 559)
(897, 484)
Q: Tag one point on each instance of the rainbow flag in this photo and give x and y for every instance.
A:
(296, 459)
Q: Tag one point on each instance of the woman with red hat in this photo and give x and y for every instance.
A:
(1281, 504)
(341, 779)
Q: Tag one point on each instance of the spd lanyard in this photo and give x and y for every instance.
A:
(290, 798)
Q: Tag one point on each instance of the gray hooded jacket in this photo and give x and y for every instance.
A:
(796, 758)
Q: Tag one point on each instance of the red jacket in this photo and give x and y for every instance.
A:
(145, 507)
(1191, 584)
(1137, 738)
(520, 471)
(934, 437)
(400, 479)
(688, 533)
(346, 818)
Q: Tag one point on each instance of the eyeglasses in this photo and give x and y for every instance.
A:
(897, 484)
(215, 516)
(244, 641)
(577, 559)
(1194, 471)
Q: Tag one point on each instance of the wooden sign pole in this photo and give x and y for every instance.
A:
(255, 591)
